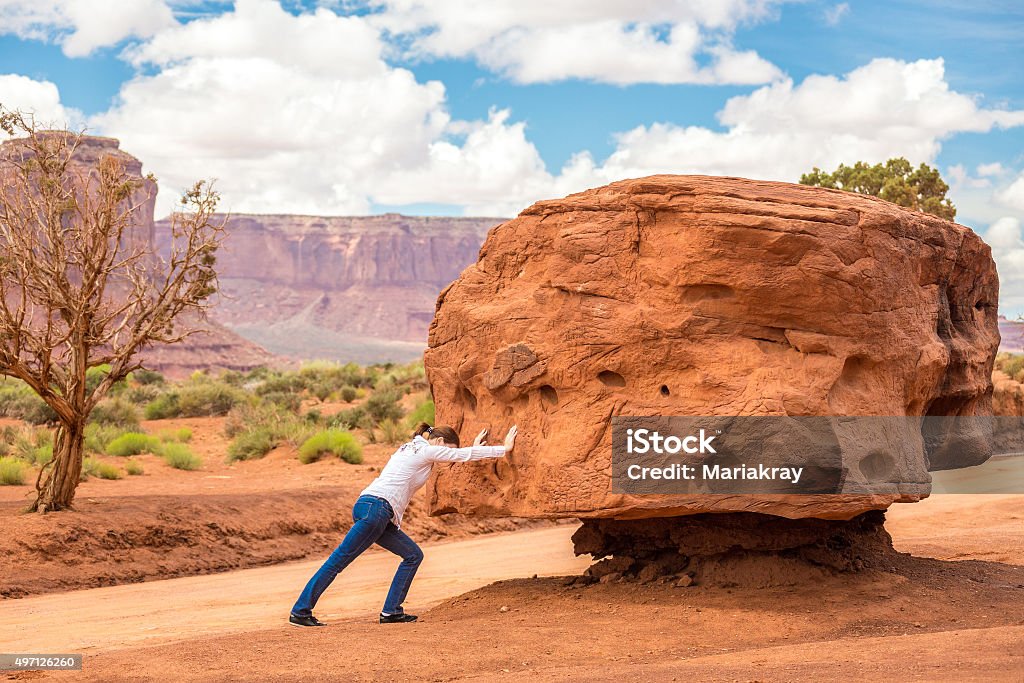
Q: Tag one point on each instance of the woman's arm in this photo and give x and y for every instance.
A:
(474, 452)
(447, 454)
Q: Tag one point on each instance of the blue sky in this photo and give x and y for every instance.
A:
(424, 106)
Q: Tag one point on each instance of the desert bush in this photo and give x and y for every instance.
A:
(283, 399)
(383, 405)
(163, 407)
(331, 442)
(12, 472)
(179, 456)
(91, 467)
(17, 400)
(143, 394)
(348, 393)
(348, 419)
(251, 445)
(98, 437)
(117, 412)
(181, 435)
(133, 468)
(423, 412)
(133, 443)
(147, 377)
(208, 399)
(391, 431)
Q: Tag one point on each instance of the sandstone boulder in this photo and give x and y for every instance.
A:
(692, 295)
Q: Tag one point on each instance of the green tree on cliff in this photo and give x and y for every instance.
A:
(80, 289)
(896, 181)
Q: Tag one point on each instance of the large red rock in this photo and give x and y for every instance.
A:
(692, 295)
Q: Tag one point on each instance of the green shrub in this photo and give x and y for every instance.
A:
(251, 445)
(180, 457)
(98, 437)
(117, 412)
(181, 435)
(163, 407)
(208, 399)
(133, 468)
(133, 443)
(41, 455)
(349, 393)
(348, 419)
(17, 400)
(143, 394)
(12, 472)
(283, 399)
(147, 377)
(91, 467)
(423, 412)
(391, 431)
(331, 442)
(383, 405)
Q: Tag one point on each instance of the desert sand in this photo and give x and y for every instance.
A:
(952, 608)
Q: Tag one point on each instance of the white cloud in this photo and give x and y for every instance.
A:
(1004, 236)
(886, 108)
(81, 26)
(39, 99)
(1013, 196)
(993, 169)
(833, 15)
(612, 41)
(961, 178)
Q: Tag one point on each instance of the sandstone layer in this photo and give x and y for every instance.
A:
(347, 288)
(692, 295)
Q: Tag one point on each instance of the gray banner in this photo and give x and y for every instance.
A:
(40, 662)
(817, 455)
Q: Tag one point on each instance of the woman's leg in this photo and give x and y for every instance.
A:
(370, 516)
(396, 540)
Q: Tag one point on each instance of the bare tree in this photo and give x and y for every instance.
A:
(80, 288)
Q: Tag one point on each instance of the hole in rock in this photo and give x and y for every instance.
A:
(466, 397)
(549, 395)
(664, 390)
(611, 379)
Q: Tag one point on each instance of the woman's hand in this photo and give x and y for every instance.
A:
(480, 439)
(510, 440)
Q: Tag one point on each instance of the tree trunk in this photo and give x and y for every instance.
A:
(57, 482)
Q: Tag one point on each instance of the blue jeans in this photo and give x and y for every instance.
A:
(372, 524)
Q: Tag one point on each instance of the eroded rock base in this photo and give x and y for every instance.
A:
(734, 549)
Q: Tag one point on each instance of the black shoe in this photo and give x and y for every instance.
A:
(305, 621)
(397, 618)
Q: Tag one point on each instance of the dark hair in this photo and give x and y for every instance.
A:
(447, 433)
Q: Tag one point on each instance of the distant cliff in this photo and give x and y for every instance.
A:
(347, 288)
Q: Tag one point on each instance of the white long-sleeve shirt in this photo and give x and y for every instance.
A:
(409, 468)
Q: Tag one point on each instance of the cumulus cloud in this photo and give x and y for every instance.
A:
(1013, 196)
(38, 99)
(612, 41)
(883, 109)
(1004, 236)
(81, 26)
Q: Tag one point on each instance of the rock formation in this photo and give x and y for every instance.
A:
(691, 295)
(347, 288)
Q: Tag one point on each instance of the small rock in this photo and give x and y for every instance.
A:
(611, 576)
(504, 608)
(684, 581)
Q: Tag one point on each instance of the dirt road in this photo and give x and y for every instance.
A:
(955, 612)
(105, 619)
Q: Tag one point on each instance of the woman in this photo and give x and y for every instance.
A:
(377, 516)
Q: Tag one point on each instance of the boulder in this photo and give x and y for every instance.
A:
(693, 295)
